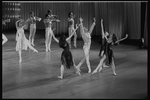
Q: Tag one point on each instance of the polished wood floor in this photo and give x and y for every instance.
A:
(36, 76)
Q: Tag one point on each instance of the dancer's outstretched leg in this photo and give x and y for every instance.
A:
(99, 67)
(31, 47)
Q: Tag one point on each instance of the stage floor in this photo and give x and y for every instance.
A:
(36, 76)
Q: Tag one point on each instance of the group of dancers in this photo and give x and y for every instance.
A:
(67, 60)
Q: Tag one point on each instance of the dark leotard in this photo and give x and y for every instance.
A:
(66, 56)
(107, 51)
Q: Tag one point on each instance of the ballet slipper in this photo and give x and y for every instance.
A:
(95, 71)
(115, 74)
(20, 60)
(60, 77)
(36, 51)
(78, 73)
(89, 71)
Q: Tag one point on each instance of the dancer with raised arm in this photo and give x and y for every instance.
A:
(67, 59)
(22, 42)
(3, 36)
(71, 29)
(107, 52)
(32, 21)
(86, 36)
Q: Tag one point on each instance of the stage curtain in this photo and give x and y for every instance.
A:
(119, 17)
(145, 28)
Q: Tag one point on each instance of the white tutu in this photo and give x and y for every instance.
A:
(22, 42)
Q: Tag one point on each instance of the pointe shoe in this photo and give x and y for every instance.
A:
(60, 77)
(46, 50)
(78, 73)
(33, 44)
(95, 71)
(89, 71)
(20, 60)
(115, 74)
(36, 51)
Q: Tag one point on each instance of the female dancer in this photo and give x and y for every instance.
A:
(32, 21)
(3, 36)
(86, 36)
(71, 29)
(66, 56)
(106, 52)
(22, 42)
(104, 37)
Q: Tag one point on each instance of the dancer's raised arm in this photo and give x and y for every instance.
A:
(102, 28)
(121, 39)
(92, 27)
(77, 26)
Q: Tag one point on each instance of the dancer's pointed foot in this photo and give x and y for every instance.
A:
(115, 74)
(78, 72)
(89, 71)
(20, 60)
(95, 71)
(35, 51)
(33, 44)
(60, 77)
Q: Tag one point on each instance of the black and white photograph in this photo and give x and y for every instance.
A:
(74, 50)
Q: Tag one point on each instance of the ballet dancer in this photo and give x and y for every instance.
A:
(106, 52)
(48, 21)
(22, 42)
(104, 37)
(32, 22)
(67, 59)
(71, 28)
(3, 36)
(86, 36)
